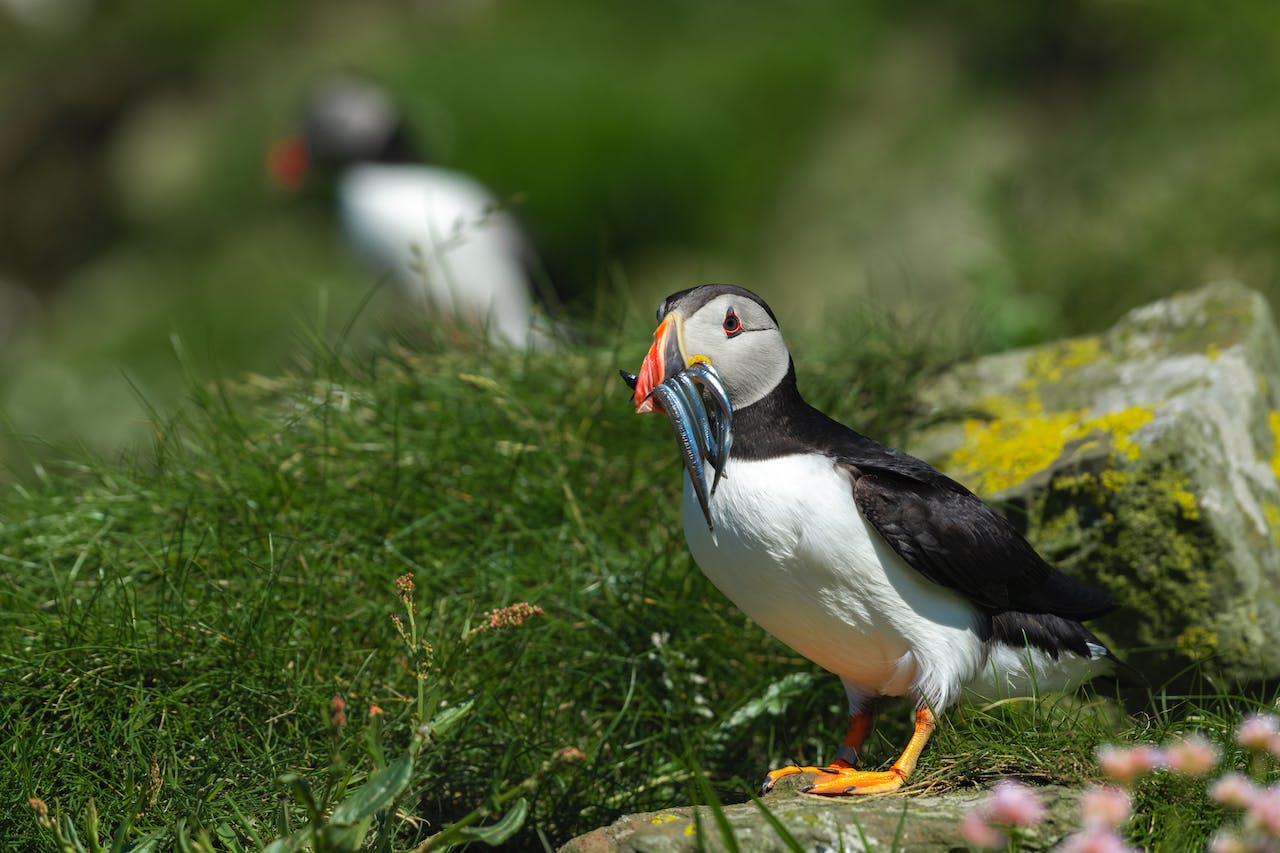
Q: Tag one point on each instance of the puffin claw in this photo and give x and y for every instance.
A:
(630, 378)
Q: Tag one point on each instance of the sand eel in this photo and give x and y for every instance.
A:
(862, 558)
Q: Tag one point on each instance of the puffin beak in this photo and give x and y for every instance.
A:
(666, 358)
(673, 382)
(287, 163)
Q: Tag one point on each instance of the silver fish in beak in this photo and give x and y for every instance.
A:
(682, 386)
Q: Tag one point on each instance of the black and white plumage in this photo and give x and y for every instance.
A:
(862, 558)
(440, 234)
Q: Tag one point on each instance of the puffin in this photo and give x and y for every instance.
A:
(441, 235)
(862, 558)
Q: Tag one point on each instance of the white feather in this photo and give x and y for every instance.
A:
(791, 549)
(443, 238)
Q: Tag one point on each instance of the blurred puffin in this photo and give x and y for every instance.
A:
(442, 236)
(862, 558)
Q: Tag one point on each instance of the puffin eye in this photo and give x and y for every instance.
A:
(732, 325)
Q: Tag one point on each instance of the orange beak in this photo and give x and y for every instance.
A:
(288, 164)
(666, 357)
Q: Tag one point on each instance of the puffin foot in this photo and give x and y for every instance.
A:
(841, 781)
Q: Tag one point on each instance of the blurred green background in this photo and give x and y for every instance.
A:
(1000, 173)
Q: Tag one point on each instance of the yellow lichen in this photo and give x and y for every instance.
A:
(1273, 421)
(1049, 364)
(1271, 512)
(1003, 452)
(1187, 505)
(1113, 479)
(1198, 642)
(664, 818)
(1212, 352)
(1121, 426)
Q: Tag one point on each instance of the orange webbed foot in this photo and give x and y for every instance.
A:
(840, 779)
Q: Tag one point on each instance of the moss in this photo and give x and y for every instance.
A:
(1138, 534)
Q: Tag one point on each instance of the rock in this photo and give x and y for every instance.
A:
(1144, 460)
(927, 823)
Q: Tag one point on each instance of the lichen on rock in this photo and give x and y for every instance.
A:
(1146, 460)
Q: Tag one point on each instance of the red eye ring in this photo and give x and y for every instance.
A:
(732, 325)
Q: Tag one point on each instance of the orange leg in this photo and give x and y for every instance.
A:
(840, 778)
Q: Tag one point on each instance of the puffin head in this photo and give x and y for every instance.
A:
(346, 119)
(725, 326)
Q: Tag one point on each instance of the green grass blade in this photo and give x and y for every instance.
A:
(442, 722)
(723, 827)
(377, 793)
(500, 831)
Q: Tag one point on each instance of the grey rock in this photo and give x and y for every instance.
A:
(921, 823)
(1144, 460)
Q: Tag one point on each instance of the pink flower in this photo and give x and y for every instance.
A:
(1104, 807)
(1125, 765)
(1234, 790)
(1256, 731)
(1264, 811)
(1014, 804)
(1193, 756)
(1095, 840)
(979, 833)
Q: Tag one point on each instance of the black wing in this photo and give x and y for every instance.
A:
(936, 525)
(953, 538)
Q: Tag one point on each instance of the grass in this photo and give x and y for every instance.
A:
(178, 626)
(181, 623)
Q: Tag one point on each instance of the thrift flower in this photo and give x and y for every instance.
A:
(1014, 804)
(1125, 765)
(1264, 811)
(1095, 840)
(1010, 804)
(978, 833)
(1193, 756)
(1256, 731)
(1234, 790)
(1104, 807)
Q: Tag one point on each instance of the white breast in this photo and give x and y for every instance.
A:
(792, 550)
(443, 238)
